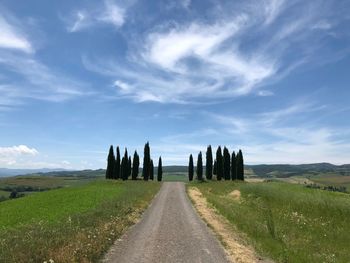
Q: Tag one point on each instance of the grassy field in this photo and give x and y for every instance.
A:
(75, 224)
(4, 193)
(28, 184)
(286, 222)
(175, 177)
(333, 180)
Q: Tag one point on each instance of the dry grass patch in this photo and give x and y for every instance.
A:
(237, 249)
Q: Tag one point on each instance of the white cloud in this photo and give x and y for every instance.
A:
(109, 13)
(123, 86)
(17, 150)
(272, 9)
(112, 14)
(12, 37)
(81, 22)
(167, 49)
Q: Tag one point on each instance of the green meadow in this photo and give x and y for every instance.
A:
(75, 224)
(286, 222)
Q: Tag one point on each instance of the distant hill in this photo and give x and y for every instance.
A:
(4, 172)
(287, 170)
(261, 170)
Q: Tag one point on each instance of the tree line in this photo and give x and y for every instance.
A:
(224, 166)
(123, 168)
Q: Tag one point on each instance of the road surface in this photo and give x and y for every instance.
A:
(169, 231)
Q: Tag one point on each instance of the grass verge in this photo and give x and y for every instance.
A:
(285, 222)
(76, 224)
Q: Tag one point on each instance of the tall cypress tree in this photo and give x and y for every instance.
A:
(209, 164)
(135, 166)
(160, 170)
(215, 167)
(233, 166)
(240, 166)
(129, 167)
(146, 162)
(110, 163)
(200, 167)
(190, 169)
(151, 175)
(124, 166)
(219, 164)
(227, 160)
(116, 169)
(122, 170)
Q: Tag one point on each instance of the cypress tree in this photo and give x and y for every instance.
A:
(209, 164)
(122, 170)
(135, 166)
(227, 160)
(200, 167)
(160, 170)
(219, 164)
(215, 167)
(110, 163)
(190, 168)
(146, 162)
(116, 169)
(240, 166)
(233, 167)
(151, 175)
(124, 166)
(129, 167)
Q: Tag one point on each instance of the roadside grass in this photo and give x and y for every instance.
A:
(286, 222)
(76, 224)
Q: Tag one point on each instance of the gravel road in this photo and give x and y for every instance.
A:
(169, 231)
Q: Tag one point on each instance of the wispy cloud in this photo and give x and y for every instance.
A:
(40, 81)
(13, 37)
(201, 61)
(109, 13)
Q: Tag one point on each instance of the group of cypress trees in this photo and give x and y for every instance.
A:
(123, 168)
(226, 166)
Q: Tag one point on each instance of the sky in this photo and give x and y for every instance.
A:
(270, 77)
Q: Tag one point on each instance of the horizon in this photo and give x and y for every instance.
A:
(170, 165)
(270, 78)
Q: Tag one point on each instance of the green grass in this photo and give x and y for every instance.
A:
(286, 222)
(74, 224)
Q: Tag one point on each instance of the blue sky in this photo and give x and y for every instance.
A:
(270, 77)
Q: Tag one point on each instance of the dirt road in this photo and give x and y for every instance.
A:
(170, 231)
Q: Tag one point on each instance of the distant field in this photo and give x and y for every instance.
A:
(42, 181)
(4, 193)
(286, 222)
(73, 224)
(175, 177)
(331, 179)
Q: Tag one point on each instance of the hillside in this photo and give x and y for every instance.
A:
(287, 170)
(261, 170)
